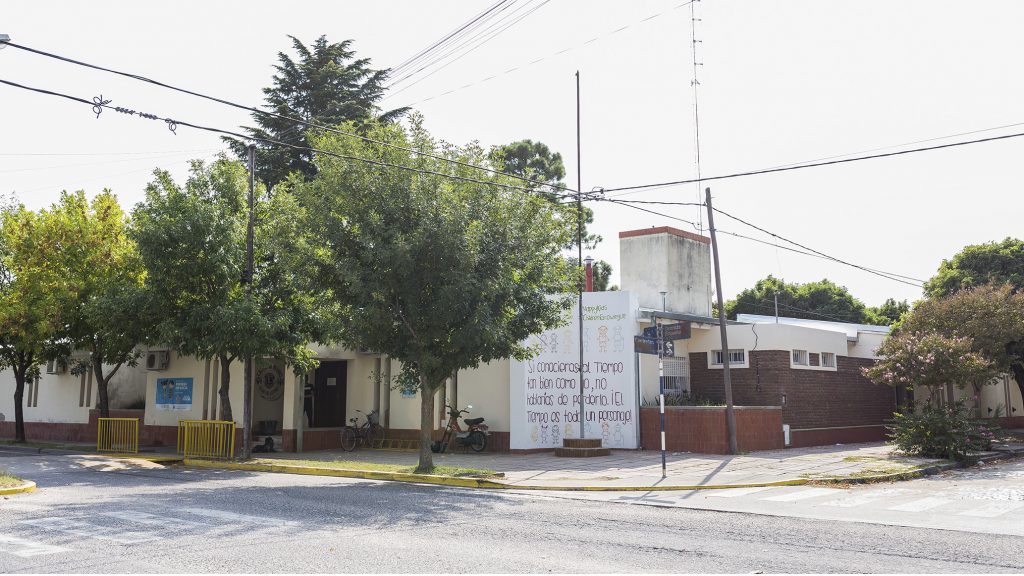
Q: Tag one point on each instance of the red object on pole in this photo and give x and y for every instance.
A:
(590, 275)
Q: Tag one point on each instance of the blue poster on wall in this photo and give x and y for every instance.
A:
(173, 393)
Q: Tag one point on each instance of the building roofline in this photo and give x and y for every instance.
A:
(664, 230)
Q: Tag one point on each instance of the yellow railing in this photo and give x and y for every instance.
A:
(119, 435)
(206, 438)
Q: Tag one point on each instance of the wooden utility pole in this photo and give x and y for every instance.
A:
(730, 416)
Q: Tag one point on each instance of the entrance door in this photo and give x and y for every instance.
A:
(329, 388)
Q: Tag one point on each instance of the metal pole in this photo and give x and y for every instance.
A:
(776, 307)
(661, 390)
(730, 417)
(247, 385)
(579, 242)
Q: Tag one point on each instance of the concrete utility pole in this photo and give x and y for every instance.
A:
(579, 242)
(730, 417)
(247, 385)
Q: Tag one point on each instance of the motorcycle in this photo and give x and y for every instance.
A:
(475, 435)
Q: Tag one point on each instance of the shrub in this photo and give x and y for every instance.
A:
(946, 431)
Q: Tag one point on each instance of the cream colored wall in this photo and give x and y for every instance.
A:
(59, 398)
(67, 398)
(865, 346)
(187, 367)
(486, 389)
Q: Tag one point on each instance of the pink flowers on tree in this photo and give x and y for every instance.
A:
(930, 360)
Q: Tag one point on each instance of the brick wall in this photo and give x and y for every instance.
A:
(703, 429)
(814, 399)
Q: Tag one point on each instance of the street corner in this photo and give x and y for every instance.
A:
(25, 486)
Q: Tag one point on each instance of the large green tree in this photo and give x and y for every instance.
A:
(33, 292)
(437, 273)
(980, 264)
(97, 257)
(326, 84)
(821, 300)
(192, 242)
(888, 313)
(991, 317)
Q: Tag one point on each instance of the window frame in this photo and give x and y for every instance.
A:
(732, 364)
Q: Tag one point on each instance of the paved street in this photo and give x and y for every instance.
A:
(91, 515)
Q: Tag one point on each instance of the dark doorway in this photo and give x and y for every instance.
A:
(329, 388)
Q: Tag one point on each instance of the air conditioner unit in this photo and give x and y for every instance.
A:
(56, 366)
(158, 359)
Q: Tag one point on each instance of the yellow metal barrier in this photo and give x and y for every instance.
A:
(119, 435)
(206, 438)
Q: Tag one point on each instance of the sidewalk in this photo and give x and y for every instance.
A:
(635, 470)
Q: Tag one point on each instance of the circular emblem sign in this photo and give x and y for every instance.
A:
(270, 383)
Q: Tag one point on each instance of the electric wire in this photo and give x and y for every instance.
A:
(543, 58)
(816, 164)
(103, 104)
(271, 114)
(484, 39)
(434, 46)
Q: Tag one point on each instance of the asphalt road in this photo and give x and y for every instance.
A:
(91, 516)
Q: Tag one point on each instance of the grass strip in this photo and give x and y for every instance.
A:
(452, 471)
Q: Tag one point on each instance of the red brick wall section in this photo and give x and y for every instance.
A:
(703, 429)
(814, 398)
(825, 437)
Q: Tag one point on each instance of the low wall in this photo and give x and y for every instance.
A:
(703, 428)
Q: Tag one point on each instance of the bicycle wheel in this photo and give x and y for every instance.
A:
(477, 441)
(374, 436)
(348, 439)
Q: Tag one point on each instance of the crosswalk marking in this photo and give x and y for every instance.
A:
(154, 520)
(734, 492)
(862, 498)
(992, 510)
(240, 518)
(802, 494)
(920, 505)
(79, 528)
(27, 548)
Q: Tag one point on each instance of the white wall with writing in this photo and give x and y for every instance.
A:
(544, 390)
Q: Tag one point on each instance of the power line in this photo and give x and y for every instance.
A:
(486, 37)
(543, 58)
(98, 104)
(774, 235)
(434, 46)
(806, 250)
(817, 164)
(272, 114)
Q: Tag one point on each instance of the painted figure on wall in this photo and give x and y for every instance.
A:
(618, 342)
(602, 338)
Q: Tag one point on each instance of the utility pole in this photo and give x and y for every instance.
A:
(579, 242)
(730, 416)
(250, 232)
(659, 341)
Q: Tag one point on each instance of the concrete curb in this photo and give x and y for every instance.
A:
(28, 486)
(919, 473)
(465, 482)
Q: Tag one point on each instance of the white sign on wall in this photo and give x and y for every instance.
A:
(545, 391)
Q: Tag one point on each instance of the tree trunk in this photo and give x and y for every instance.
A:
(426, 463)
(225, 384)
(102, 398)
(19, 404)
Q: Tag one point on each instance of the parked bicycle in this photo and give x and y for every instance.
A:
(367, 434)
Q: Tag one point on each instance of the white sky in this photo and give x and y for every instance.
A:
(782, 82)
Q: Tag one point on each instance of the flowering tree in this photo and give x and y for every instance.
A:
(930, 360)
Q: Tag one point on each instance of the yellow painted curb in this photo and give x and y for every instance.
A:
(466, 482)
(28, 486)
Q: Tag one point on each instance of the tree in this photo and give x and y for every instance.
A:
(930, 360)
(821, 300)
(980, 264)
(192, 243)
(888, 313)
(326, 85)
(438, 273)
(991, 317)
(32, 294)
(96, 256)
